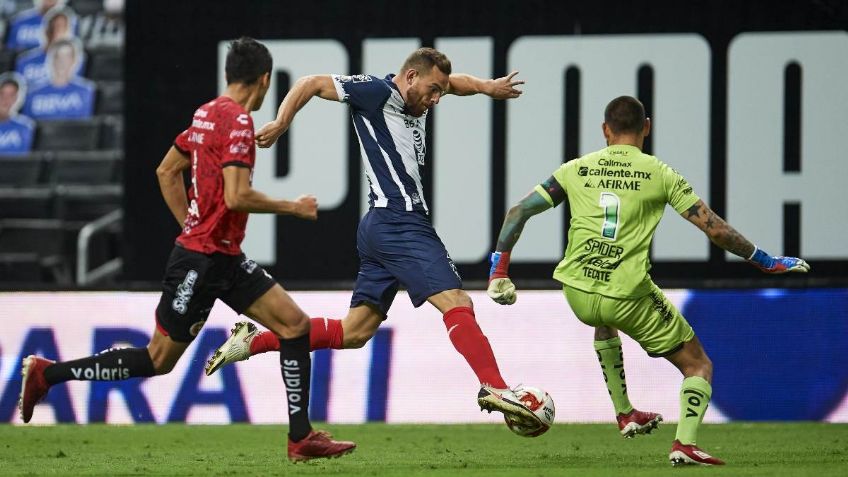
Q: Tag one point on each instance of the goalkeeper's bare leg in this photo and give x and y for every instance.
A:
(631, 422)
(695, 395)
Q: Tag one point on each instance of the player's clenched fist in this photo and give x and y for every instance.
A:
(268, 134)
(502, 291)
(501, 288)
(306, 207)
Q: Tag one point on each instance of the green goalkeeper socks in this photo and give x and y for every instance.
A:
(694, 398)
(611, 358)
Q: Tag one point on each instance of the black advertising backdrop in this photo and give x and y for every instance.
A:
(172, 67)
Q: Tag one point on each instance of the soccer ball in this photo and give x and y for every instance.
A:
(542, 405)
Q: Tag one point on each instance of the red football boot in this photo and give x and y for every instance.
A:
(34, 386)
(689, 454)
(638, 422)
(317, 445)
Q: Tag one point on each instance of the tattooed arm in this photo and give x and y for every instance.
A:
(532, 204)
(726, 237)
(501, 288)
(719, 231)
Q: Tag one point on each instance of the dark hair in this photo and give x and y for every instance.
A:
(247, 60)
(10, 80)
(422, 60)
(625, 114)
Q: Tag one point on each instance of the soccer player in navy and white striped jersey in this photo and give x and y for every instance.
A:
(396, 241)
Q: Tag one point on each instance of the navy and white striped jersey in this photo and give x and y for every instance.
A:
(392, 143)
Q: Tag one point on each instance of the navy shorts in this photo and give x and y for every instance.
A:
(192, 283)
(400, 248)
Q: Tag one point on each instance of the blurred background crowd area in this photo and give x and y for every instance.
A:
(61, 135)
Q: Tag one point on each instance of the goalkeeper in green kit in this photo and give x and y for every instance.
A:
(617, 197)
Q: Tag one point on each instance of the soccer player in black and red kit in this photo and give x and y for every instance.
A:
(207, 262)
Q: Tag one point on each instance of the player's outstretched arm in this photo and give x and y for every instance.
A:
(726, 237)
(518, 215)
(501, 289)
(462, 84)
(300, 93)
(170, 175)
(241, 197)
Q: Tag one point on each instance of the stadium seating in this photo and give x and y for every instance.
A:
(86, 7)
(105, 64)
(112, 132)
(87, 202)
(41, 237)
(73, 175)
(77, 167)
(20, 267)
(20, 171)
(110, 97)
(26, 202)
(7, 60)
(70, 135)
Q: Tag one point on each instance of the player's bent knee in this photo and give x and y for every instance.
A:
(358, 338)
(287, 326)
(356, 341)
(702, 368)
(299, 324)
(458, 298)
(163, 366)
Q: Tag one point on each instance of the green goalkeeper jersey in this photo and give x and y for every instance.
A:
(617, 197)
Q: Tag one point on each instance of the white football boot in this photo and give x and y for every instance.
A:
(505, 401)
(236, 348)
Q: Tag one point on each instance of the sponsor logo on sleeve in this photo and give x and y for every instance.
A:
(353, 78)
(245, 133)
(239, 148)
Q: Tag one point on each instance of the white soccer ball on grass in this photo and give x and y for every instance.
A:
(542, 405)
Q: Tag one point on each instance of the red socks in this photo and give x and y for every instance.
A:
(472, 344)
(324, 333)
(264, 342)
(463, 332)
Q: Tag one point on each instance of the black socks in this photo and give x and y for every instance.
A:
(296, 365)
(110, 365)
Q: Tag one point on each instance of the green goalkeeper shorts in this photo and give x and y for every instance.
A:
(651, 320)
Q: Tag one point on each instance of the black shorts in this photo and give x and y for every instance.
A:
(194, 280)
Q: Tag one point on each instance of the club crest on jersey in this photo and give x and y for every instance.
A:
(248, 265)
(195, 328)
(420, 146)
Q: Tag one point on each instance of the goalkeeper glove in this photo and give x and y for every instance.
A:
(769, 264)
(501, 288)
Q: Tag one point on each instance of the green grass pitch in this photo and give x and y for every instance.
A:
(769, 449)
